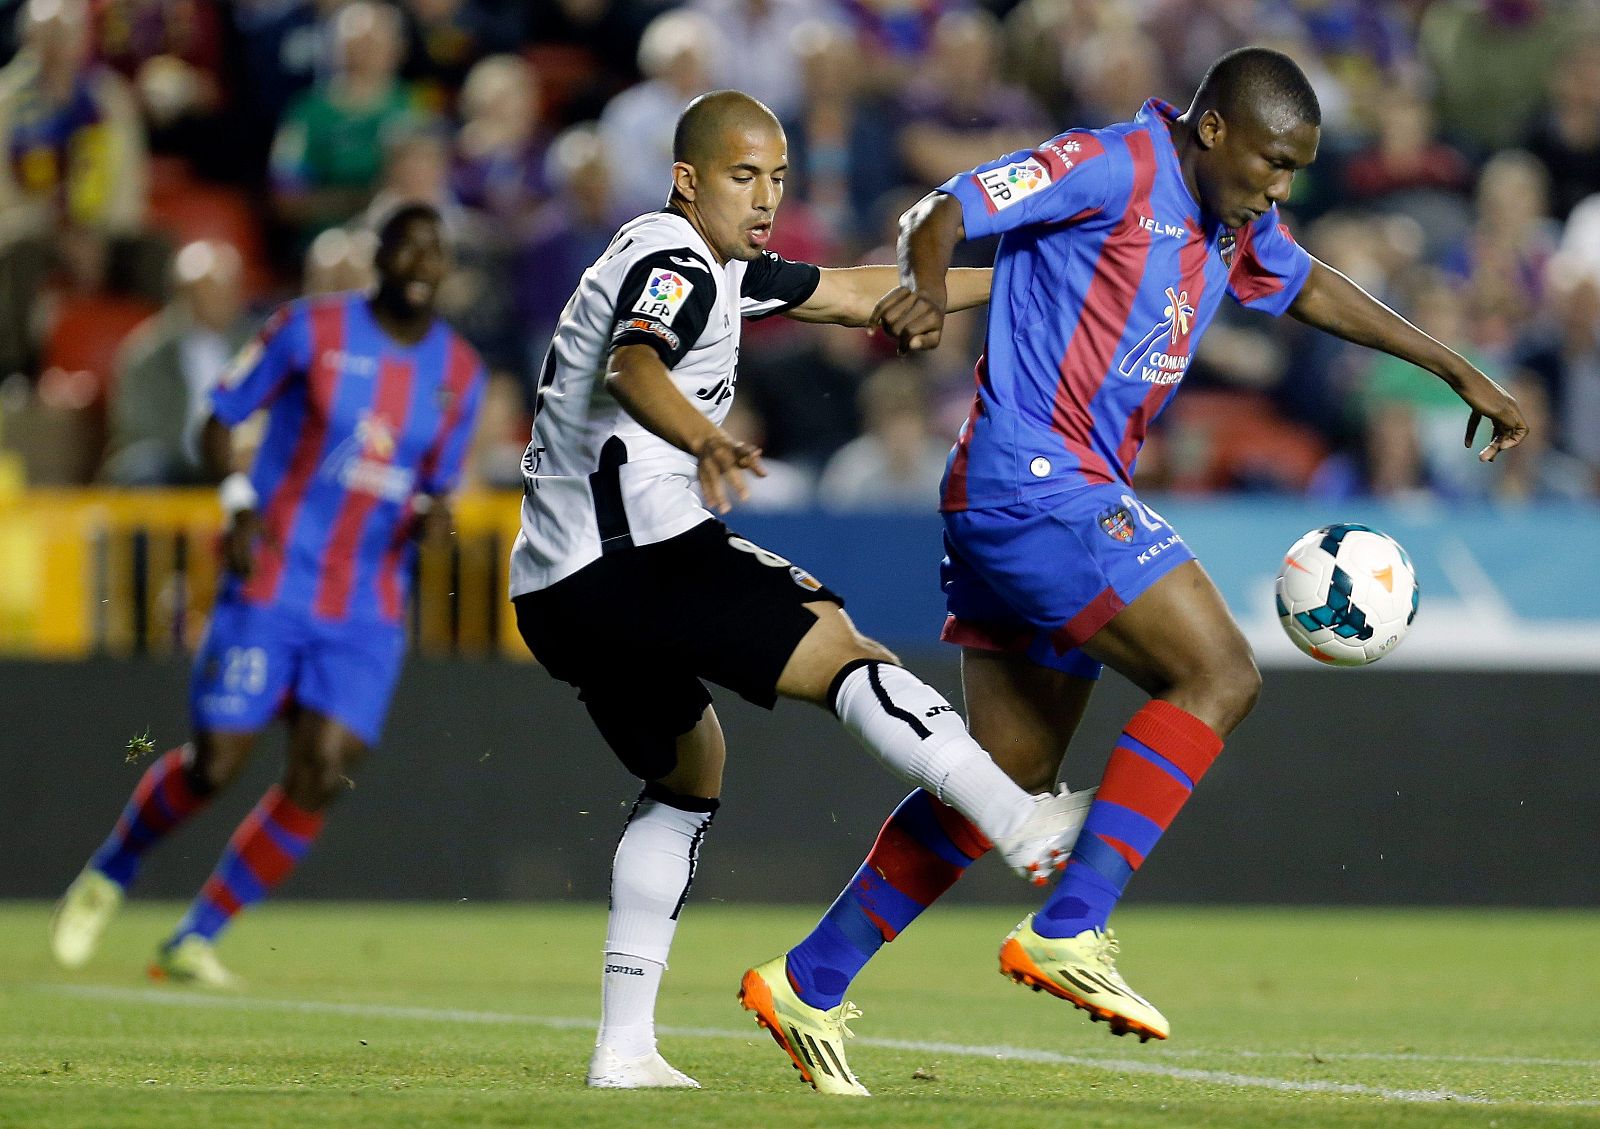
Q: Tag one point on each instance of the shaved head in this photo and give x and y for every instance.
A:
(711, 118)
(1256, 84)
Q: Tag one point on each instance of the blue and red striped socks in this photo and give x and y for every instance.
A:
(923, 849)
(164, 797)
(1159, 758)
(263, 851)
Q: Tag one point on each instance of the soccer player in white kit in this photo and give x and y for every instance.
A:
(628, 587)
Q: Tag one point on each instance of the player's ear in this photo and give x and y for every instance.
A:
(1210, 130)
(683, 180)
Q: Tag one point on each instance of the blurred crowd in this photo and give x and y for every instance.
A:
(173, 168)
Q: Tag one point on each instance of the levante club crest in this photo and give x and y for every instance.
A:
(1117, 524)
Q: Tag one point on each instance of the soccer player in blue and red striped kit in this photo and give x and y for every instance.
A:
(371, 401)
(1116, 248)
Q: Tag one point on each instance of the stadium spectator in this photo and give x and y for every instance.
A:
(445, 39)
(338, 259)
(498, 164)
(1437, 305)
(1545, 473)
(678, 55)
(957, 112)
(1406, 156)
(1506, 253)
(171, 53)
(309, 619)
(786, 486)
(1564, 353)
(494, 461)
(73, 178)
(1565, 135)
(759, 54)
(168, 367)
(567, 234)
(897, 463)
(328, 152)
(807, 390)
(1114, 70)
(1486, 58)
(277, 46)
(594, 45)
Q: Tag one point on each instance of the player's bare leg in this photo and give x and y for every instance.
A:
(650, 881)
(1024, 714)
(173, 788)
(266, 847)
(1178, 642)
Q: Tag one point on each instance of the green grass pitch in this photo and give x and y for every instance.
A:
(461, 1015)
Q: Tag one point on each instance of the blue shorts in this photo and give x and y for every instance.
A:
(1042, 576)
(255, 661)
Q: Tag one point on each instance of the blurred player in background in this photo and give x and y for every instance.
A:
(1117, 246)
(627, 586)
(370, 401)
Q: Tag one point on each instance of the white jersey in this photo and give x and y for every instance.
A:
(596, 481)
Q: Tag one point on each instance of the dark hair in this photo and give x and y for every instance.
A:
(703, 120)
(394, 224)
(1259, 83)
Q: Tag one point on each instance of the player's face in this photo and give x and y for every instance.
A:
(1250, 166)
(415, 267)
(736, 196)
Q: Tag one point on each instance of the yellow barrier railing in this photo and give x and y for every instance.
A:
(134, 572)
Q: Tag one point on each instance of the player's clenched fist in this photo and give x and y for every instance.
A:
(914, 318)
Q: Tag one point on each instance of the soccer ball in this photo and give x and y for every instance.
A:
(1347, 594)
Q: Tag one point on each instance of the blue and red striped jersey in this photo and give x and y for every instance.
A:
(357, 425)
(1106, 275)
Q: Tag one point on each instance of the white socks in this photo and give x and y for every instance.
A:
(650, 880)
(909, 726)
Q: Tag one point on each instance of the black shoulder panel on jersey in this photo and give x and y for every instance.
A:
(771, 278)
(664, 302)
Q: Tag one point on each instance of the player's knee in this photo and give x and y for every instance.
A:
(215, 764)
(1233, 689)
(318, 775)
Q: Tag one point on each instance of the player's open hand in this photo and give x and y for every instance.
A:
(1486, 398)
(723, 461)
(239, 542)
(914, 318)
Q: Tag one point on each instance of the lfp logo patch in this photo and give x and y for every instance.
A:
(1117, 524)
(663, 296)
(1008, 184)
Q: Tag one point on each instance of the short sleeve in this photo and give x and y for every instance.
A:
(1268, 267)
(773, 284)
(664, 302)
(1067, 179)
(256, 376)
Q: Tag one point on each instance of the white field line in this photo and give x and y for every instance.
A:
(175, 998)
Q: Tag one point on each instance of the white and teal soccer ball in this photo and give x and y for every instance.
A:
(1347, 594)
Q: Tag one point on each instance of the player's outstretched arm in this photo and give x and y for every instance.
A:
(638, 378)
(1331, 302)
(856, 295)
(913, 312)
